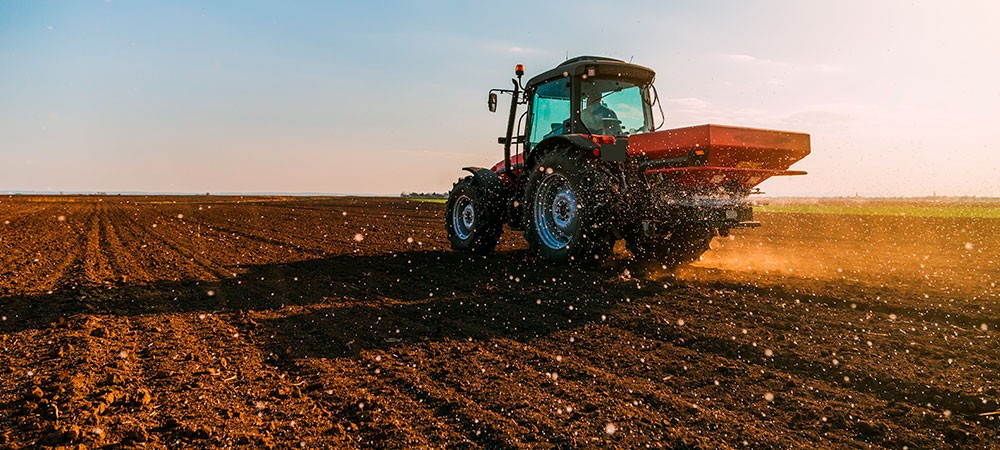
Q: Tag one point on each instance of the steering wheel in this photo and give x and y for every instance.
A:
(611, 126)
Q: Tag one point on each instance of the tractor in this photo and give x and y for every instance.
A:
(585, 165)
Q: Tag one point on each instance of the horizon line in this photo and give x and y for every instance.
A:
(343, 194)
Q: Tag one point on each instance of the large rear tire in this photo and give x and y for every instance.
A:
(678, 248)
(473, 221)
(569, 204)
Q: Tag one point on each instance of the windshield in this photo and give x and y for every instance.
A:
(613, 107)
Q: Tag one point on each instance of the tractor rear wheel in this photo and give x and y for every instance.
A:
(473, 221)
(568, 208)
(680, 247)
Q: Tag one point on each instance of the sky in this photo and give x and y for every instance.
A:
(900, 98)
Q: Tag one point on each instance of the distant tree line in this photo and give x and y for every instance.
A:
(424, 195)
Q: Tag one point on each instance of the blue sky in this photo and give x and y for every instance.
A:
(900, 97)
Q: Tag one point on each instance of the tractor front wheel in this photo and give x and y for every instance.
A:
(472, 220)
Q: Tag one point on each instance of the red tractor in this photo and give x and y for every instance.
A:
(588, 167)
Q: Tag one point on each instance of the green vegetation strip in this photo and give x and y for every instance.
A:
(951, 211)
(429, 200)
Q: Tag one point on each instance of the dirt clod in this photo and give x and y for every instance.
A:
(36, 393)
(143, 397)
(137, 435)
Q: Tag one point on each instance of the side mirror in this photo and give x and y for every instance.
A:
(492, 102)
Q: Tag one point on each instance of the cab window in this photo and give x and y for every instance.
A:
(551, 110)
(612, 106)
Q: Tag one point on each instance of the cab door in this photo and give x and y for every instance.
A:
(551, 111)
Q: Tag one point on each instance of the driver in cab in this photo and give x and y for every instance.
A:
(596, 113)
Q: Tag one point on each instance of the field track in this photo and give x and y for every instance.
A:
(348, 322)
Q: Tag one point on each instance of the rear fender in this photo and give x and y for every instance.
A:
(575, 142)
(491, 188)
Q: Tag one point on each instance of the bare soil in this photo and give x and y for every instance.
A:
(347, 322)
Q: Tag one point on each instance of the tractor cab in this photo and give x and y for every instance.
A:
(589, 95)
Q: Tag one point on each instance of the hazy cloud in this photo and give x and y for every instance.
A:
(500, 47)
(801, 67)
(739, 58)
(690, 103)
(820, 117)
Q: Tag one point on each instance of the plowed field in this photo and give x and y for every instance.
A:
(347, 322)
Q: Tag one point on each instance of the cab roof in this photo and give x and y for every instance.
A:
(603, 65)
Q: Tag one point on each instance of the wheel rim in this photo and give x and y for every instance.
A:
(463, 216)
(556, 215)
